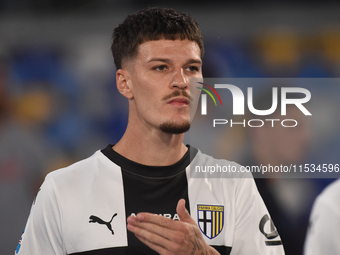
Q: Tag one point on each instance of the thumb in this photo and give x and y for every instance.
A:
(183, 213)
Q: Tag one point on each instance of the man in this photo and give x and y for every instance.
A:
(323, 232)
(145, 178)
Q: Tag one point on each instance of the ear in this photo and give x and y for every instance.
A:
(124, 83)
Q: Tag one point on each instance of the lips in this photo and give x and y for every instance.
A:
(179, 101)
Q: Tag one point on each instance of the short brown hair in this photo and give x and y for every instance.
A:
(152, 24)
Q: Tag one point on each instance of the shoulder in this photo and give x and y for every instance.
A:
(324, 222)
(82, 171)
(233, 180)
(203, 165)
(332, 190)
(329, 197)
(226, 176)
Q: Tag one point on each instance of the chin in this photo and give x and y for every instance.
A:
(175, 128)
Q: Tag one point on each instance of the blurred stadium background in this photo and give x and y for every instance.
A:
(58, 101)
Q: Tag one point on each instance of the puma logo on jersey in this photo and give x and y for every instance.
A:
(95, 219)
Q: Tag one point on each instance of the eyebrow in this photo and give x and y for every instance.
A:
(166, 60)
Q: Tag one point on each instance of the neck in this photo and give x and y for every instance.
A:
(151, 147)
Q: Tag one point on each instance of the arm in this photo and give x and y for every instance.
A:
(254, 232)
(167, 236)
(42, 234)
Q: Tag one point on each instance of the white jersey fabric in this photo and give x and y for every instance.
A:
(324, 230)
(82, 209)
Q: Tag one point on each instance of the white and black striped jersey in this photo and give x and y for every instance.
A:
(82, 209)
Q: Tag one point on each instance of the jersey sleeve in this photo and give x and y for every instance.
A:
(323, 232)
(43, 231)
(255, 232)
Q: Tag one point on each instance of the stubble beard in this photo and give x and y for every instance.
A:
(172, 127)
(175, 128)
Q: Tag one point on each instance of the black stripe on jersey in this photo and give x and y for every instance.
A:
(152, 189)
(223, 250)
(116, 251)
(159, 196)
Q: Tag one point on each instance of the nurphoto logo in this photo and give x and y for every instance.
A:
(239, 99)
(204, 97)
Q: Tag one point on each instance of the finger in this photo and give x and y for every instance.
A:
(183, 213)
(157, 220)
(134, 225)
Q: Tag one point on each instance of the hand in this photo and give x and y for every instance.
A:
(167, 236)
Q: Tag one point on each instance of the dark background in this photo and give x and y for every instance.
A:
(58, 102)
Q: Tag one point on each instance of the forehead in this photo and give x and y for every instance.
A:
(170, 49)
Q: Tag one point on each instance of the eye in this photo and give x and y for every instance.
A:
(193, 69)
(160, 68)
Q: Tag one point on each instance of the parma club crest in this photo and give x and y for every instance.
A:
(210, 219)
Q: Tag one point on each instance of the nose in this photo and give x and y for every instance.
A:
(180, 80)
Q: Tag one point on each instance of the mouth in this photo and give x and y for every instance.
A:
(179, 101)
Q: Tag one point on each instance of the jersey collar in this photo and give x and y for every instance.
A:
(150, 171)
